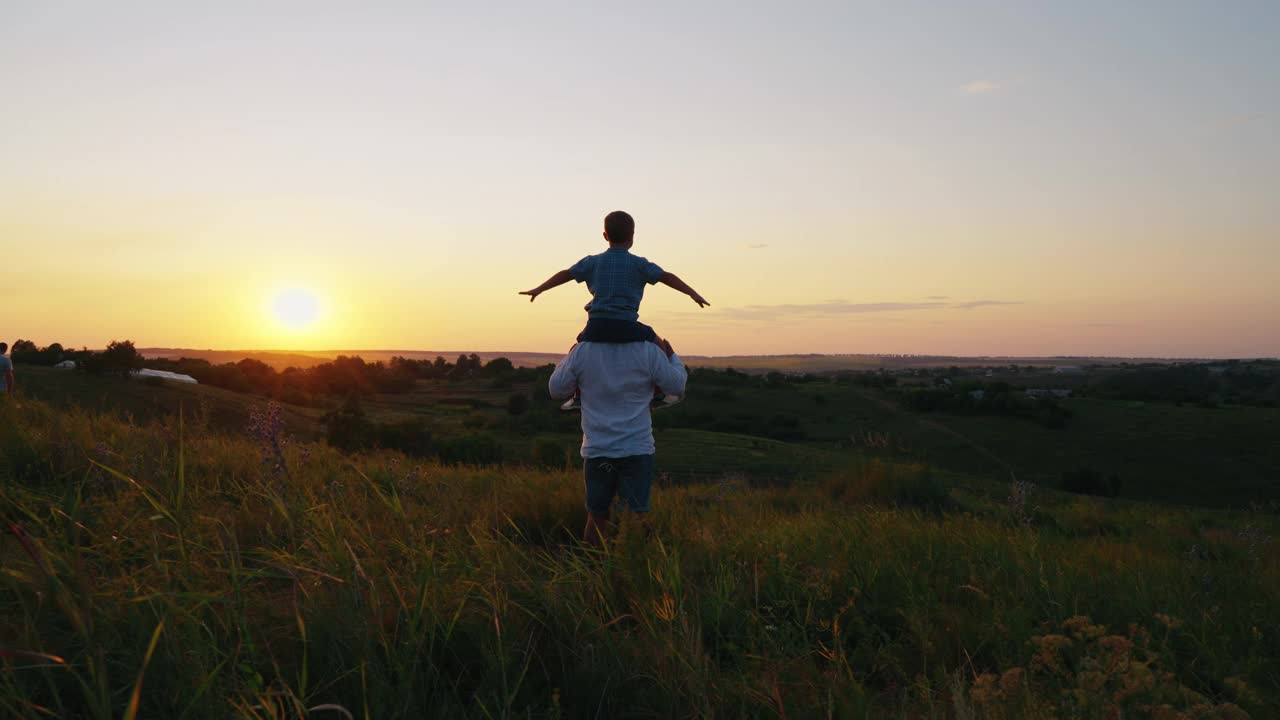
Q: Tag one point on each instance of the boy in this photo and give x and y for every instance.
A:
(616, 279)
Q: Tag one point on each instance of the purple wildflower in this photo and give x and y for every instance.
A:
(1020, 492)
(266, 426)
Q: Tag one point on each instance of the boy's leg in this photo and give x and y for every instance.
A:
(609, 330)
(575, 402)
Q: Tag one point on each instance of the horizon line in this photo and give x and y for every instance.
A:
(354, 351)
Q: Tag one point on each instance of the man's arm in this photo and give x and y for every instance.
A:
(556, 280)
(564, 381)
(668, 372)
(673, 281)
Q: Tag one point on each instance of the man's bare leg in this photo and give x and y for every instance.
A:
(597, 526)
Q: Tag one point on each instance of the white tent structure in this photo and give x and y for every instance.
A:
(66, 365)
(176, 377)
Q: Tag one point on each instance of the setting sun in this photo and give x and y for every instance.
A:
(295, 308)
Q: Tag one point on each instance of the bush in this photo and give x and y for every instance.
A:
(517, 404)
(550, 453)
(120, 358)
(477, 449)
(1088, 481)
(347, 428)
(407, 436)
(922, 490)
(903, 485)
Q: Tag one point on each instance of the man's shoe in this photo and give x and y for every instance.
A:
(665, 401)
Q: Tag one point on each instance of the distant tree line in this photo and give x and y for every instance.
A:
(119, 357)
(25, 352)
(977, 398)
(340, 377)
(343, 376)
(1231, 382)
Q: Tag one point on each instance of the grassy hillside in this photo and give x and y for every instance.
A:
(1212, 456)
(186, 573)
(143, 401)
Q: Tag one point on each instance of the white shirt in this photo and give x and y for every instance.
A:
(617, 382)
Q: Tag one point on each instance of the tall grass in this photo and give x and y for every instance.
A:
(167, 571)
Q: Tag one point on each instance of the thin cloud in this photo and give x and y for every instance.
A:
(757, 246)
(980, 87)
(760, 314)
(982, 303)
(1243, 119)
(938, 297)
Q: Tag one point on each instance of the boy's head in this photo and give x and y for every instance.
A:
(4, 347)
(619, 228)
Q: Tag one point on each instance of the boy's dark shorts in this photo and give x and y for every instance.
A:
(629, 478)
(609, 330)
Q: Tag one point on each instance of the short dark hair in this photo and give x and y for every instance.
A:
(3, 346)
(619, 226)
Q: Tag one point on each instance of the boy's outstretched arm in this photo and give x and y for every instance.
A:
(672, 281)
(556, 280)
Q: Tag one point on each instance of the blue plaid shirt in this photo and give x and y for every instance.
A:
(616, 279)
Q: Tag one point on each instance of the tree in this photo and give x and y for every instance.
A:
(498, 366)
(120, 358)
(517, 404)
(53, 354)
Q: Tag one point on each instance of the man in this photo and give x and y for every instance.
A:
(616, 381)
(6, 372)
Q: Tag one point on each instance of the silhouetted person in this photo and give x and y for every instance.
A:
(7, 386)
(616, 279)
(617, 382)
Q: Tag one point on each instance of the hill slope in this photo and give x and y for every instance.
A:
(395, 589)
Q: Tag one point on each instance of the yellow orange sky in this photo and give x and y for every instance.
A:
(916, 188)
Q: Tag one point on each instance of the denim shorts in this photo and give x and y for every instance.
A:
(628, 478)
(609, 330)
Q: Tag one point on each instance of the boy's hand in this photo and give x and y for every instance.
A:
(533, 294)
(702, 302)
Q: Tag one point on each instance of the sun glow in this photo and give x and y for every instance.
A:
(295, 308)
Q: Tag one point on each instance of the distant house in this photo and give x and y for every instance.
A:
(66, 365)
(1067, 370)
(1048, 393)
(176, 377)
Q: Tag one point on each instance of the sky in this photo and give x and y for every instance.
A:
(981, 178)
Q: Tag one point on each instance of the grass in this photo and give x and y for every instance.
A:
(1192, 455)
(1224, 457)
(165, 569)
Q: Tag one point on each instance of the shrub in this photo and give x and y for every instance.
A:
(347, 428)
(551, 453)
(903, 485)
(1088, 481)
(408, 436)
(517, 404)
(120, 358)
(476, 449)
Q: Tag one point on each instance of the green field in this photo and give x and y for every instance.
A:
(1220, 456)
(164, 563)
